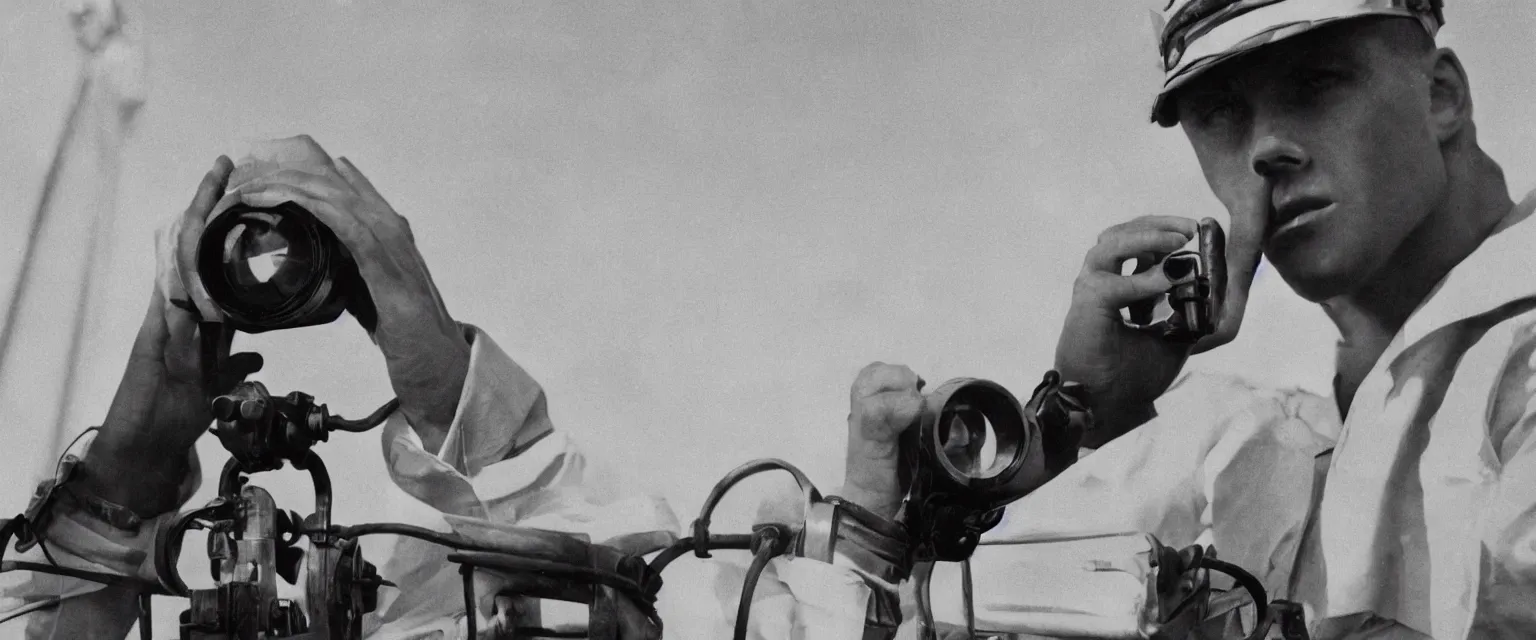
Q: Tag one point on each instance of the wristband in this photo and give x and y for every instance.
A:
(879, 550)
(63, 489)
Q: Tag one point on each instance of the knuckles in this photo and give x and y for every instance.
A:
(876, 377)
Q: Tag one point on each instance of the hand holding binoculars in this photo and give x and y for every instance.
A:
(953, 496)
(1199, 286)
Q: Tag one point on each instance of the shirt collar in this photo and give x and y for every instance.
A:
(1497, 272)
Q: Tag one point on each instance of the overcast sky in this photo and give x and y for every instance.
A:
(695, 220)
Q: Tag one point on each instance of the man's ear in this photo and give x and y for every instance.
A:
(1450, 96)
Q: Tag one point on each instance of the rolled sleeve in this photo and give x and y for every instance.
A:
(502, 464)
(501, 412)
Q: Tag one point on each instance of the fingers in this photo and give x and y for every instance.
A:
(236, 369)
(179, 267)
(1145, 239)
(356, 178)
(317, 185)
(364, 187)
(319, 201)
(885, 400)
(356, 218)
(1187, 226)
(210, 189)
(1112, 291)
(879, 377)
(1116, 247)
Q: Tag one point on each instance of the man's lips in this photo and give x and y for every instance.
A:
(1296, 212)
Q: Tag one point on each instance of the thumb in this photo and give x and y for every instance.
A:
(236, 369)
(890, 410)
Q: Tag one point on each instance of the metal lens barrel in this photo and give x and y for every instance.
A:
(273, 268)
(955, 495)
(955, 428)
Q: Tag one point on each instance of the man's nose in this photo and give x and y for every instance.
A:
(1273, 155)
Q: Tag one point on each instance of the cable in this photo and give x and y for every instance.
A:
(728, 542)
(701, 535)
(60, 463)
(922, 592)
(541, 632)
(970, 601)
(769, 542)
(1255, 591)
(109, 579)
(359, 426)
(543, 545)
(470, 611)
(34, 607)
(10, 527)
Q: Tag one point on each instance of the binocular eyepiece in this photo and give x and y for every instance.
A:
(270, 268)
(955, 493)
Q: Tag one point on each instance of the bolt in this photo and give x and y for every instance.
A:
(225, 408)
(252, 409)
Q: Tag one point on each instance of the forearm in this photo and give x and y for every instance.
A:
(429, 395)
(1112, 420)
(873, 481)
(136, 474)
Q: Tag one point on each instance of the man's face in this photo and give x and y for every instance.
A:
(1321, 149)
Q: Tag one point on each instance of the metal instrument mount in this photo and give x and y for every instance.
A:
(251, 543)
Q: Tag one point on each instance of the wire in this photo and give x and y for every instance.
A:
(33, 608)
(41, 544)
(109, 579)
(728, 542)
(451, 540)
(359, 426)
(760, 560)
(60, 463)
(922, 592)
(541, 632)
(701, 524)
(22, 521)
(1254, 588)
(970, 600)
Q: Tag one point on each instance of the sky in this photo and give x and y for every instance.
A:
(694, 221)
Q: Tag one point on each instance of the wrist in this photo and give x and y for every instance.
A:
(148, 483)
(429, 395)
(1111, 421)
(873, 479)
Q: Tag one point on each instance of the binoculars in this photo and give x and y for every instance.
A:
(955, 494)
(270, 268)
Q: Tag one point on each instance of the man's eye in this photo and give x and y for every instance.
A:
(1218, 110)
(1316, 80)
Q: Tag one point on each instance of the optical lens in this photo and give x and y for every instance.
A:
(268, 260)
(970, 442)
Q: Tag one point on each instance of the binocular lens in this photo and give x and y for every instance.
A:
(267, 259)
(970, 443)
(278, 268)
(976, 431)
